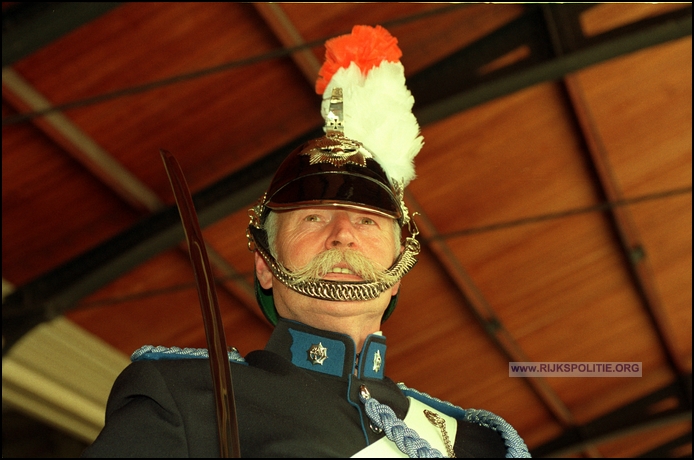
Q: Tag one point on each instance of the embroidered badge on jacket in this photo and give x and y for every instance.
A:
(317, 353)
(377, 361)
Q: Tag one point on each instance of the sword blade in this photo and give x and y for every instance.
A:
(211, 316)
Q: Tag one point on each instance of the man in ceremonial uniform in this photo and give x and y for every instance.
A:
(329, 255)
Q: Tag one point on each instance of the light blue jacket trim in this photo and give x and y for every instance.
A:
(369, 366)
(515, 446)
(152, 353)
(334, 362)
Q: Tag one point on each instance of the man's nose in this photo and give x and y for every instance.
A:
(341, 232)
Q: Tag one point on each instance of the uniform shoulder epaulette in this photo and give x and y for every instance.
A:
(515, 446)
(152, 353)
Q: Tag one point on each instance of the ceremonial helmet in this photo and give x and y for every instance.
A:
(364, 160)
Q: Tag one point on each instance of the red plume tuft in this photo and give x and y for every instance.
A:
(366, 46)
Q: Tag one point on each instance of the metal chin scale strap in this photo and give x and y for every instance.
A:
(344, 291)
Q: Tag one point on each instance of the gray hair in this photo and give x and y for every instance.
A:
(271, 227)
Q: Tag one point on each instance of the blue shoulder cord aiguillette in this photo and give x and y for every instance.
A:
(406, 439)
(515, 446)
(150, 352)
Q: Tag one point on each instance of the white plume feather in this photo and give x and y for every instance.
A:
(377, 111)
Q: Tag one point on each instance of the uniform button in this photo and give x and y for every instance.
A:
(374, 428)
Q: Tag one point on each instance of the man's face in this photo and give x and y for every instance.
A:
(303, 234)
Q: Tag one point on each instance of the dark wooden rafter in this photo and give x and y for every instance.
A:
(59, 290)
(20, 95)
(565, 34)
(671, 449)
(662, 407)
(79, 146)
(29, 26)
(485, 315)
(289, 37)
(23, 97)
(452, 85)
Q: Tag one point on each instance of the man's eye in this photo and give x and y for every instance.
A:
(367, 221)
(312, 218)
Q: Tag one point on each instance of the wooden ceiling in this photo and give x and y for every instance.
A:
(554, 192)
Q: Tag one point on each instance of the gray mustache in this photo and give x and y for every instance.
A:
(324, 262)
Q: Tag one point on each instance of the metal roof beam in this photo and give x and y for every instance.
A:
(456, 83)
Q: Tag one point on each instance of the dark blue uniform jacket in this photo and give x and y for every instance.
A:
(162, 405)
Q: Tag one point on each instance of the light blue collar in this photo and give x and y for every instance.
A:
(328, 352)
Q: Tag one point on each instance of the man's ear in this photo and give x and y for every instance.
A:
(395, 289)
(262, 272)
